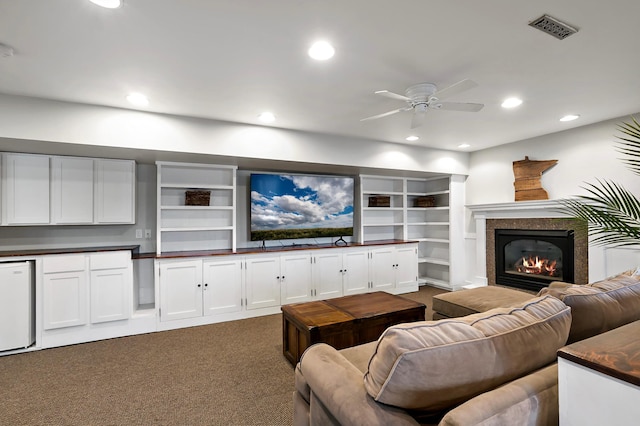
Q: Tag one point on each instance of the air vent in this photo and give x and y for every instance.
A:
(553, 27)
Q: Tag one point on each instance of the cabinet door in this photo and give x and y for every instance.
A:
(64, 299)
(27, 189)
(327, 274)
(355, 267)
(383, 268)
(72, 190)
(110, 289)
(295, 278)
(222, 286)
(180, 290)
(262, 280)
(115, 191)
(407, 266)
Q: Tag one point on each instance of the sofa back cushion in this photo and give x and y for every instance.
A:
(432, 365)
(600, 306)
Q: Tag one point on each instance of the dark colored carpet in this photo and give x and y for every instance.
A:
(231, 373)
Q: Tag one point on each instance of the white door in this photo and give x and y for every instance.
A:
(295, 278)
(327, 275)
(262, 280)
(355, 272)
(115, 191)
(72, 190)
(64, 299)
(407, 266)
(110, 289)
(180, 290)
(27, 189)
(222, 291)
(383, 268)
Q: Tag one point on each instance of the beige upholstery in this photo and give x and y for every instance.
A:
(432, 365)
(601, 306)
(466, 302)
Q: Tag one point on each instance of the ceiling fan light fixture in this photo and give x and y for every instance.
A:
(321, 51)
(570, 117)
(412, 138)
(511, 103)
(109, 4)
(267, 117)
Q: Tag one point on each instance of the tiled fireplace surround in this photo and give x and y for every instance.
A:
(529, 215)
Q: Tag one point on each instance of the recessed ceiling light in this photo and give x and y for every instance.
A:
(570, 117)
(412, 138)
(109, 4)
(511, 103)
(464, 145)
(321, 51)
(267, 117)
(138, 99)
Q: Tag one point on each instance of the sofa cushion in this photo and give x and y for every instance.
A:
(431, 365)
(480, 299)
(600, 306)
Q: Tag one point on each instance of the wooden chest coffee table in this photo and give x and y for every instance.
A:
(344, 321)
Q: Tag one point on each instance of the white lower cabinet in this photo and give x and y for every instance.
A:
(262, 281)
(295, 278)
(80, 289)
(355, 272)
(394, 268)
(193, 288)
(327, 274)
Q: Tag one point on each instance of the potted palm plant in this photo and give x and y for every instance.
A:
(609, 211)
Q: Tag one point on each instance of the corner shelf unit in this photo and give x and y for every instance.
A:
(434, 228)
(184, 227)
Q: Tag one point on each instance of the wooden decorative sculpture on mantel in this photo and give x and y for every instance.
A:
(527, 175)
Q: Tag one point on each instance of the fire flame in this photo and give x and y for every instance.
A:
(538, 266)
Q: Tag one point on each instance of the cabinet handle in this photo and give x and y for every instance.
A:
(199, 285)
(206, 285)
(283, 277)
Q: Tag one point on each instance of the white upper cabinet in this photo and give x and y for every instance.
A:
(61, 190)
(26, 189)
(72, 190)
(115, 191)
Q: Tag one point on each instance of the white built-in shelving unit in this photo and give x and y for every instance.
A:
(191, 228)
(437, 229)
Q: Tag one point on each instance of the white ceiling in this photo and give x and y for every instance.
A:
(232, 59)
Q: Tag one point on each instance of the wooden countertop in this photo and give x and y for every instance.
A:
(615, 353)
(73, 250)
(258, 250)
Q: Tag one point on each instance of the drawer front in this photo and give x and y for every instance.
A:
(63, 263)
(110, 260)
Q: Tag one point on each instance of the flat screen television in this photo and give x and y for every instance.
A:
(287, 206)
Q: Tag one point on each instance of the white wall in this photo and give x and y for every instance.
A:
(584, 154)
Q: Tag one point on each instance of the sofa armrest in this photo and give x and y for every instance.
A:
(339, 386)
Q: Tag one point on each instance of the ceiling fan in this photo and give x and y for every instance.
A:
(424, 96)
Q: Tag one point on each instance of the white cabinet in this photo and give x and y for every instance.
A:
(193, 288)
(51, 190)
(72, 190)
(383, 268)
(355, 272)
(394, 267)
(183, 227)
(262, 281)
(222, 285)
(110, 286)
(26, 189)
(79, 289)
(115, 191)
(64, 291)
(295, 278)
(327, 274)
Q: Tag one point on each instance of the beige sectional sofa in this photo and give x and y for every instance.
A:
(493, 367)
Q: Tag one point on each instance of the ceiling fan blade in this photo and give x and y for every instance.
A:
(418, 119)
(459, 106)
(384, 114)
(456, 88)
(388, 94)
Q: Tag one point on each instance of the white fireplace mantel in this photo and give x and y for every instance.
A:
(514, 210)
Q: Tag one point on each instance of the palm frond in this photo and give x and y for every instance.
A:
(611, 212)
(629, 145)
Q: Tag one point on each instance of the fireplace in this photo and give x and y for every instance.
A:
(531, 259)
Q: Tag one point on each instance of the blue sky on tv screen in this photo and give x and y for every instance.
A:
(297, 201)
